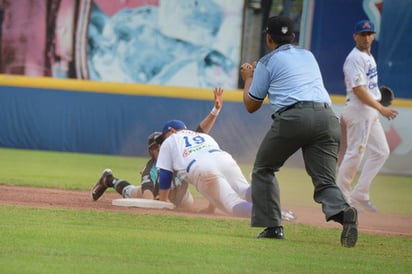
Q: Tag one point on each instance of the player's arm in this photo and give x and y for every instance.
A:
(209, 121)
(365, 97)
(165, 183)
(247, 71)
(147, 184)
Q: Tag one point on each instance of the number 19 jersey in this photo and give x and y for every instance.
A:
(182, 147)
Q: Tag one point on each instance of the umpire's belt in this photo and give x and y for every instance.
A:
(303, 104)
(193, 161)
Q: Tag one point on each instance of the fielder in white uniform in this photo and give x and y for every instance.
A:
(360, 120)
(198, 159)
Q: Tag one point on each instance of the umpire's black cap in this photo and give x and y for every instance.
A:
(281, 26)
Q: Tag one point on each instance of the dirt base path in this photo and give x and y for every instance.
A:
(394, 225)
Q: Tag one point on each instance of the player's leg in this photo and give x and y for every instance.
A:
(320, 158)
(357, 133)
(121, 186)
(320, 162)
(129, 191)
(234, 175)
(125, 189)
(208, 180)
(240, 185)
(378, 149)
(277, 146)
(343, 141)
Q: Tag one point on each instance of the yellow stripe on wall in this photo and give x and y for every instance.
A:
(115, 88)
(140, 89)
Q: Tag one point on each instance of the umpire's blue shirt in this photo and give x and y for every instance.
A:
(288, 75)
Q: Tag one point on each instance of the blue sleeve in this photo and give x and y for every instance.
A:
(260, 83)
(165, 179)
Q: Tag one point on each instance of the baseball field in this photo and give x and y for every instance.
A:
(48, 224)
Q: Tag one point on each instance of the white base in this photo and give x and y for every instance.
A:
(143, 203)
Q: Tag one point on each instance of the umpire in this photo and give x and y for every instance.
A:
(303, 119)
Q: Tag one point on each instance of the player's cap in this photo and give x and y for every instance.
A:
(153, 139)
(364, 26)
(280, 26)
(175, 124)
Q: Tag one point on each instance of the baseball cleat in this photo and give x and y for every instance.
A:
(100, 187)
(288, 215)
(349, 234)
(272, 233)
(364, 204)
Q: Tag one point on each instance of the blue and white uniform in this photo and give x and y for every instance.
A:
(197, 158)
(363, 128)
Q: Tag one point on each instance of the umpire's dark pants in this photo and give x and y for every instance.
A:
(314, 128)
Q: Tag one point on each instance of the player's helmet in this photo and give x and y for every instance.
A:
(152, 139)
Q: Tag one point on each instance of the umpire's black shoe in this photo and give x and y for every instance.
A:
(349, 234)
(272, 233)
(104, 182)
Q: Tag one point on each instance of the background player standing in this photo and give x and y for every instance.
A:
(360, 117)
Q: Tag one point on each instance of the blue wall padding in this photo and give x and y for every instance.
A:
(104, 123)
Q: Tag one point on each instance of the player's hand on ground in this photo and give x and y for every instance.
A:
(218, 94)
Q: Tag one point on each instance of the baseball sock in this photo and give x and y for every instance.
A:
(119, 185)
(249, 194)
(243, 209)
(130, 191)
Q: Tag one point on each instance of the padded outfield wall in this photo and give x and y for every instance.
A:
(111, 118)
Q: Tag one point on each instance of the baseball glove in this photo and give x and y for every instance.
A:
(387, 96)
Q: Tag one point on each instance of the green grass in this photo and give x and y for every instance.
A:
(62, 169)
(391, 194)
(68, 241)
(80, 171)
(34, 240)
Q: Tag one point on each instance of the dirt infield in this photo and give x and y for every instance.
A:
(393, 225)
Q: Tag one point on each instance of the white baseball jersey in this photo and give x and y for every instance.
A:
(197, 158)
(179, 149)
(360, 69)
(363, 128)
